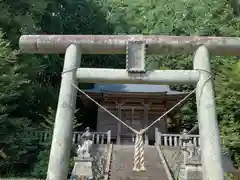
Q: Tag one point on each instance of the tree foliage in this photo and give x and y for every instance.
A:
(193, 17)
(30, 83)
(228, 100)
(19, 150)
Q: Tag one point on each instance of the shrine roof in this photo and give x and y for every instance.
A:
(132, 88)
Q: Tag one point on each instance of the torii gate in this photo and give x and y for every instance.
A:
(135, 46)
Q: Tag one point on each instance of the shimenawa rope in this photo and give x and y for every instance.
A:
(139, 145)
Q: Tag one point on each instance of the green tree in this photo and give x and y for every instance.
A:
(19, 150)
(19, 16)
(40, 167)
(33, 80)
(228, 103)
(193, 17)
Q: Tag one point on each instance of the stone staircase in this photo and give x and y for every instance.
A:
(173, 157)
(122, 164)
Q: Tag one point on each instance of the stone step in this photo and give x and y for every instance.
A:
(122, 164)
(173, 156)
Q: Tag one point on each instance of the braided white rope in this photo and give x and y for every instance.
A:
(136, 161)
(142, 164)
(139, 145)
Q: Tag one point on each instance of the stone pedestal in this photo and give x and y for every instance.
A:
(192, 170)
(83, 167)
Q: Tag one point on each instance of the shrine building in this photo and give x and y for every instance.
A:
(137, 105)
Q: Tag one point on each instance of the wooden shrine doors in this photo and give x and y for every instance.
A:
(135, 119)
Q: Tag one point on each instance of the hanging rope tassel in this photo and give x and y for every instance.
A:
(136, 163)
(142, 164)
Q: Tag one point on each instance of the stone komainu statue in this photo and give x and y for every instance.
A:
(84, 149)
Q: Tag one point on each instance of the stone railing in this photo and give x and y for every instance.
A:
(97, 138)
(108, 162)
(174, 139)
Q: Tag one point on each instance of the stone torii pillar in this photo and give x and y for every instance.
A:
(207, 118)
(62, 134)
(135, 72)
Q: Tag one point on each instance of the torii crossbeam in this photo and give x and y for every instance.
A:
(135, 47)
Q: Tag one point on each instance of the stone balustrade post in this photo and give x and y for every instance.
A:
(109, 137)
(185, 140)
(157, 138)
